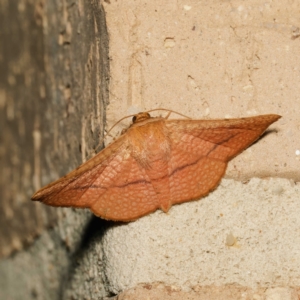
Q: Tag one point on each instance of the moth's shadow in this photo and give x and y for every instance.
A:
(266, 133)
(93, 233)
(94, 230)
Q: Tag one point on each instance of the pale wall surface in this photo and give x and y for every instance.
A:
(213, 60)
(161, 291)
(245, 234)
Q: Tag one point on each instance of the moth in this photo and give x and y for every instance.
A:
(155, 163)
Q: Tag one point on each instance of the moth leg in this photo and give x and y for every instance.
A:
(168, 115)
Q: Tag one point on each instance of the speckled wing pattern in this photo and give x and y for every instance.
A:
(155, 164)
(71, 189)
(201, 150)
(112, 184)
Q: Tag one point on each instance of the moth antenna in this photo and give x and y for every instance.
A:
(169, 112)
(110, 129)
(130, 116)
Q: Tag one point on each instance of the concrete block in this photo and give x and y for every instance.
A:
(242, 233)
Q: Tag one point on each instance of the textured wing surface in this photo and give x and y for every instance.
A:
(112, 184)
(127, 195)
(123, 183)
(201, 150)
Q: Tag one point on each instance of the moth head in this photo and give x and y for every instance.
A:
(140, 117)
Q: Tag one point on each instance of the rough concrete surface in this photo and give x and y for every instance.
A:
(47, 269)
(160, 291)
(213, 60)
(53, 90)
(245, 234)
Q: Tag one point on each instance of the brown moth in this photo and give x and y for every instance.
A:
(156, 163)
